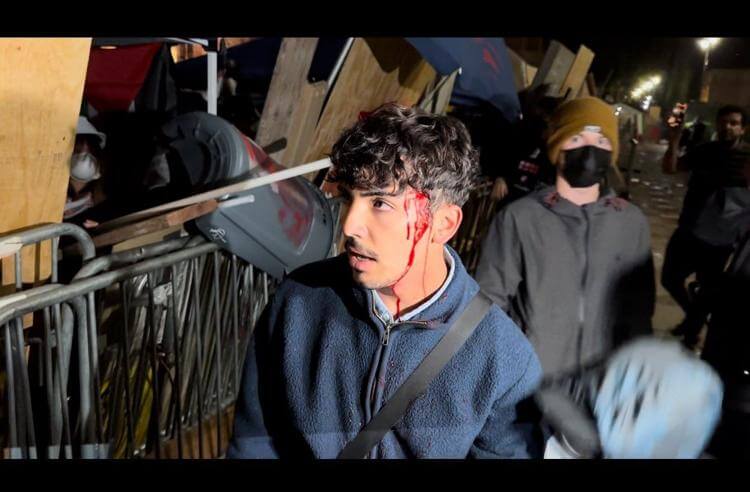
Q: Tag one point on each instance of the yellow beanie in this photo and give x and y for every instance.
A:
(570, 119)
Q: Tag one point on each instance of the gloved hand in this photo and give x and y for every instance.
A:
(565, 405)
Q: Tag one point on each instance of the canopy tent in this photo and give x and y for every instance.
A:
(118, 67)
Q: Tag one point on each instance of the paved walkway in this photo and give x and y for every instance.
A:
(660, 197)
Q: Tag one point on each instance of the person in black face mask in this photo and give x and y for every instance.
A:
(585, 166)
(571, 263)
(714, 166)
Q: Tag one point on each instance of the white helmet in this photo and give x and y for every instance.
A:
(86, 128)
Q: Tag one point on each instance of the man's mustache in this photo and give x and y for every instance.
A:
(352, 244)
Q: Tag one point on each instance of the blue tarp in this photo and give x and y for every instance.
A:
(486, 70)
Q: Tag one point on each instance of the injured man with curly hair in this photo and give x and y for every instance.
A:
(389, 350)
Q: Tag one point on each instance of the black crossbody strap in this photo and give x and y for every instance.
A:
(419, 380)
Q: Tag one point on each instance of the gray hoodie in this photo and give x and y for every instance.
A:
(579, 281)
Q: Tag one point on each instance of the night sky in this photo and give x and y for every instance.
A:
(647, 53)
(623, 59)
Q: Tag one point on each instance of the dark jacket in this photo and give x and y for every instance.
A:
(318, 369)
(727, 345)
(712, 165)
(578, 280)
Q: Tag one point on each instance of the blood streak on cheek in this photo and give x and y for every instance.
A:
(421, 206)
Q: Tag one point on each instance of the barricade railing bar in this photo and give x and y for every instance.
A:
(13, 243)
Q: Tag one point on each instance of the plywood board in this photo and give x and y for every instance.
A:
(289, 77)
(304, 120)
(519, 69)
(584, 92)
(591, 85)
(191, 439)
(438, 95)
(554, 68)
(444, 94)
(154, 224)
(530, 74)
(41, 85)
(154, 237)
(576, 76)
(376, 70)
(232, 42)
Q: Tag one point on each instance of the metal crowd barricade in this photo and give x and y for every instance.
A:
(478, 212)
(19, 413)
(172, 320)
(184, 328)
(140, 355)
(13, 243)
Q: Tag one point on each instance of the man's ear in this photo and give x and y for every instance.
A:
(446, 221)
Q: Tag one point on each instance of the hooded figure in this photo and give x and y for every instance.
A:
(84, 163)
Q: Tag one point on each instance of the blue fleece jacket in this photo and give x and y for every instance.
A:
(320, 366)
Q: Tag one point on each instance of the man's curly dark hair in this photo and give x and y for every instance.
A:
(407, 146)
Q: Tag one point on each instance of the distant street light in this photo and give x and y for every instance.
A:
(706, 44)
(646, 88)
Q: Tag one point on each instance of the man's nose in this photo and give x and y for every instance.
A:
(353, 224)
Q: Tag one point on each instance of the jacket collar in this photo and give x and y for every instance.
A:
(459, 289)
(607, 202)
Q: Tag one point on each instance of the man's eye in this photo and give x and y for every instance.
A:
(380, 204)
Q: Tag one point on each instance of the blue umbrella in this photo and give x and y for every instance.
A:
(486, 72)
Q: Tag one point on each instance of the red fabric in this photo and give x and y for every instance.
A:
(115, 76)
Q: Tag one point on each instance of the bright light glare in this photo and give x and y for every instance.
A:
(708, 43)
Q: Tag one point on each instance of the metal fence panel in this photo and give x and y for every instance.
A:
(141, 354)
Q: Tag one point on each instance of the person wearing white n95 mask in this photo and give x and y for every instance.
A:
(84, 167)
(84, 191)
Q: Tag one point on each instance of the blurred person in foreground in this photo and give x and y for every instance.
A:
(651, 399)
